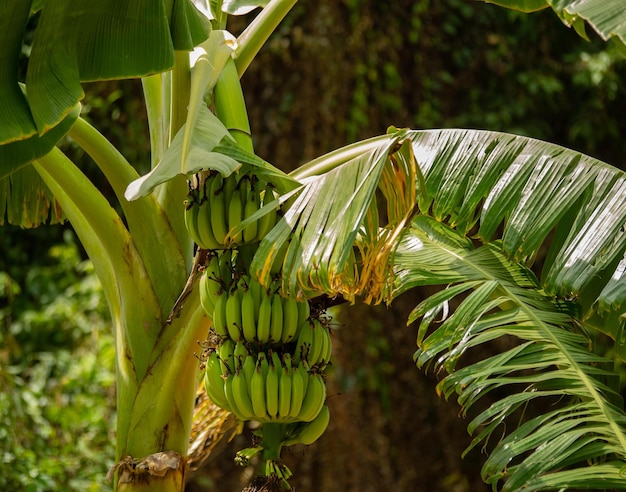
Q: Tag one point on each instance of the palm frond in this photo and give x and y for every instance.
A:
(540, 199)
(552, 362)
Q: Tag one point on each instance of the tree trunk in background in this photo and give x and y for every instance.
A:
(337, 72)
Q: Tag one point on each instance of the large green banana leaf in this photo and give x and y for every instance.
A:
(75, 41)
(527, 240)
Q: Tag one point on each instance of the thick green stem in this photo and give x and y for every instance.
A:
(134, 307)
(272, 439)
(171, 195)
(230, 106)
(257, 33)
(146, 220)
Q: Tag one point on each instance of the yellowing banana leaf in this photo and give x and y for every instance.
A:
(325, 223)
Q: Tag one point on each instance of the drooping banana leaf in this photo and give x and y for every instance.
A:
(581, 441)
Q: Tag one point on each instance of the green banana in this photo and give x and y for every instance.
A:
(248, 315)
(314, 398)
(235, 214)
(257, 295)
(311, 431)
(303, 369)
(257, 390)
(327, 350)
(230, 183)
(284, 387)
(219, 315)
(205, 231)
(304, 311)
(226, 268)
(213, 382)
(276, 319)
(242, 396)
(290, 319)
(317, 341)
(263, 326)
(213, 278)
(297, 391)
(304, 343)
(191, 216)
(206, 301)
(267, 221)
(230, 397)
(226, 352)
(251, 205)
(272, 382)
(233, 315)
(239, 354)
(217, 207)
(248, 366)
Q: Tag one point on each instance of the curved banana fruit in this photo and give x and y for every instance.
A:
(314, 398)
(272, 382)
(276, 319)
(233, 315)
(235, 214)
(206, 238)
(290, 319)
(263, 326)
(230, 397)
(219, 315)
(241, 395)
(267, 221)
(304, 343)
(206, 301)
(250, 207)
(217, 208)
(248, 366)
(257, 390)
(226, 352)
(191, 216)
(213, 382)
(284, 387)
(248, 316)
(297, 392)
(311, 431)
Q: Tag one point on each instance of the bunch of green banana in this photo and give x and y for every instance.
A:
(250, 312)
(213, 211)
(263, 387)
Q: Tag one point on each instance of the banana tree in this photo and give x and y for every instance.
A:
(526, 239)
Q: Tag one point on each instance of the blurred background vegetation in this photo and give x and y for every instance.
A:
(336, 71)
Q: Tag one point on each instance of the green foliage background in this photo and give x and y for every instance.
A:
(333, 73)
